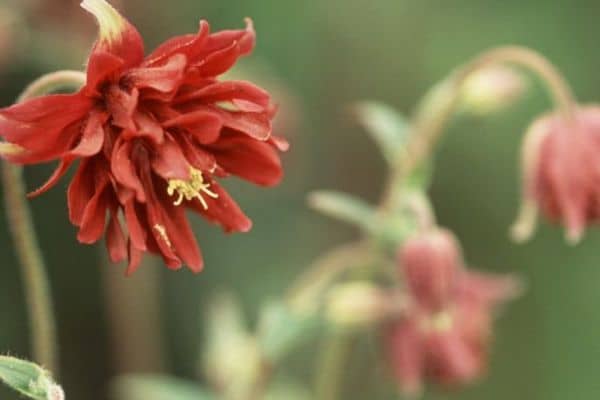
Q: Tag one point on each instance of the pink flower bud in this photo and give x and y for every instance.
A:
(560, 172)
(431, 263)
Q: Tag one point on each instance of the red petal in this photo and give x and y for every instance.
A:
(58, 173)
(189, 45)
(227, 91)
(164, 78)
(94, 217)
(116, 244)
(92, 137)
(117, 36)
(122, 106)
(135, 258)
(146, 127)
(137, 233)
(249, 159)
(81, 190)
(124, 169)
(222, 211)
(195, 155)
(102, 67)
(245, 38)
(169, 162)
(205, 126)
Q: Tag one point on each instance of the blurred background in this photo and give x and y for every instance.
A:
(318, 57)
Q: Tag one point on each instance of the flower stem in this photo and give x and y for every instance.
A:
(331, 365)
(35, 279)
(439, 104)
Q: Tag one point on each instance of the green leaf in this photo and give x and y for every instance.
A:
(386, 126)
(29, 379)
(281, 330)
(344, 207)
(157, 387)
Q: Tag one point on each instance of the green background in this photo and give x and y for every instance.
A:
(328, 54)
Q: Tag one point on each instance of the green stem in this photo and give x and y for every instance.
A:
(437, 107)
(35, 279)
(331, 365)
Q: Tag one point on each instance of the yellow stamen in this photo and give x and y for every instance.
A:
(439, 322)
(193, 188)
(10, 148)
(162, 231)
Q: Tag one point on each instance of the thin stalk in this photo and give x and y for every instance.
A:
(437, 107)
(331, 365)
(35, 279)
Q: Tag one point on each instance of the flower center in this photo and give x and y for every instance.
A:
(193, 188)
(438, 322)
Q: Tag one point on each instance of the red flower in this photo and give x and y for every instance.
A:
(152, 135)
(561, 174)
(447, 343)
(430, 263)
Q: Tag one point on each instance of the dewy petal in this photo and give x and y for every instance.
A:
(116, 35)
(222, 211)
(189, 45)
(255, 161)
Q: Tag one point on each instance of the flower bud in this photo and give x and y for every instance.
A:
(431, 263)
(560, 173)
(357, 304)
(491, 89)
(29, 379)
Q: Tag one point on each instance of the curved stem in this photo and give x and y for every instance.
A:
(35, 279)
(438, 106)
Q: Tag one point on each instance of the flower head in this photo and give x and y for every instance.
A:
(447, 343)
(152, 135)
(431, 263)
(560, 172)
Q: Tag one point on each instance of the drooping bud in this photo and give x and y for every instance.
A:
(431, 263)
(560, 173)
(491, 89)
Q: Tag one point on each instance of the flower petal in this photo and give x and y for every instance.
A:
(58, 173)
(189, 45)
(228, 91)
(163, 78)
(116, 244)
(222, 211)
(249, 159)
(116, 35)
(205, 126)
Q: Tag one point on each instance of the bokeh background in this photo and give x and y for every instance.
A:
(319, 56)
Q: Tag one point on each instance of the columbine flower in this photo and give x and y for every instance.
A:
(152, 135)
(430, 263)
(561, 174)
(448, 343)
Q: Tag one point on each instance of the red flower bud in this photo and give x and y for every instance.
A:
(560, 172)
(431, 263)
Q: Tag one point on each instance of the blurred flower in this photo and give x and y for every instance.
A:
(152, 135)
(491, 89)
(447, 343)
(561, 174)
(431, 263)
